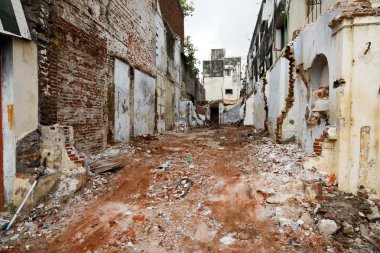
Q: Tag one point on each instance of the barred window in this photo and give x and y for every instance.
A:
(314, 10)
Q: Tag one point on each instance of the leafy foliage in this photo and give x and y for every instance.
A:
(190, 50)
(187, 7)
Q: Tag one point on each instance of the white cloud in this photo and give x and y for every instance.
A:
(222, 24)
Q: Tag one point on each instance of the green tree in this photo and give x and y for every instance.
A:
(191, 60)
(187, 7)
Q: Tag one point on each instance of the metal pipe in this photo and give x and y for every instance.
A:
(21, 206)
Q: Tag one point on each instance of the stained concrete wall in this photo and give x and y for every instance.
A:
(25, 77)
(259, 114)
(8, 127)
(277, 91)
(20, 108)
(248, 120)
(122, 101)
(324, 43)
(144, 104)
(295, 126)
(213, 87)
(358, 125)
(231, 113)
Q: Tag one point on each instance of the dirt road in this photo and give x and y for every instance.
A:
(215, 191)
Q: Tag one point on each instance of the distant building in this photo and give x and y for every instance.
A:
(222, 76)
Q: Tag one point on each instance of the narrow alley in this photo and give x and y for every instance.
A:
(170, 126)
(225, 189)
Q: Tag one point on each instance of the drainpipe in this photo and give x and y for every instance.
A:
(286, 28)
(286, 21)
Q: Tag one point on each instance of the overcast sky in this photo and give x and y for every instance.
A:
(222, 24)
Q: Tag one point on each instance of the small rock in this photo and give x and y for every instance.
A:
(307, 219)
(285, 179)
(279, 198)
(204, 234)
(310, 194)
(348, 229)
(228, 240)
(375, 215)
(328, 227)
(164, 166)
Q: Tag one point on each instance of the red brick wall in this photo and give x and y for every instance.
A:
(77, 44)
(81, 84)
(172, 12)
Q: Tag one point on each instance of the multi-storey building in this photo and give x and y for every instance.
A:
(313, 67)
(222, 76)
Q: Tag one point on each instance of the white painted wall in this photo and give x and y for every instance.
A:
(315, 40)
(248, 121)
(122, 101)
(362, 106)
(231, 113)
(277, 91)
(214, 88)
(144, 104)
(9, 140)
(353, 107)
(25, 77)
(259, 107)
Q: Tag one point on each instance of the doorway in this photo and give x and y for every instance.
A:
(214, 115)
(122, 101)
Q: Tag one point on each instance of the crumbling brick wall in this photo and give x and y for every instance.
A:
(175, 19)
(77, 40)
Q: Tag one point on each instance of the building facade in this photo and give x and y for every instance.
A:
(222, 76)
(95, 71)
(312, 67)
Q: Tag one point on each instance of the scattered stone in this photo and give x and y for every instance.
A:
(3, 223)
(362, 215)
(164, 166)
(348, 229)
(307, 219)
(279, 198)
(328, 227)
(204, 234)
(375, 215)
(228, 240)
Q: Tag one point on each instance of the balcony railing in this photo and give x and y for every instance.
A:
(314, 10)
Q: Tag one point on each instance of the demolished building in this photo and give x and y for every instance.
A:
(98, 71)
(313, 69)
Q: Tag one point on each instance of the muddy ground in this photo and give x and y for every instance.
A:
(210, 190)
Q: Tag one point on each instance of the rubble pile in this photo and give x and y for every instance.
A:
(308, 203)
(113, 151)
(174, 179)
(205, 191)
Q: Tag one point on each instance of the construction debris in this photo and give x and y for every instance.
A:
(101, 167)
(214, 203)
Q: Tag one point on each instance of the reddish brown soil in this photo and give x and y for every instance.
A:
(102, 225)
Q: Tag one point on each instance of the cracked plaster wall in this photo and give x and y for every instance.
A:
(351, 150)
